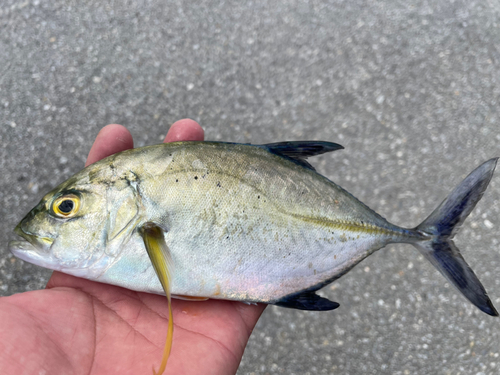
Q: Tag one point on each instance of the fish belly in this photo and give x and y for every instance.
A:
(262, 261)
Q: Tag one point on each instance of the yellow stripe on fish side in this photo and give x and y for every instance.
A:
(345, 225)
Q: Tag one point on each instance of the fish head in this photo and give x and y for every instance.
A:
(78, 227)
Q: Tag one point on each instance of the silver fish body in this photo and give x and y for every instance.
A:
(242, 222)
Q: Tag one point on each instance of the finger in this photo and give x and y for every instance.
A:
(185, 130)
(110, 140)
(250, 314)
(61, 279)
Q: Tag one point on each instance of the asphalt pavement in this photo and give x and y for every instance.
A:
(410, 89)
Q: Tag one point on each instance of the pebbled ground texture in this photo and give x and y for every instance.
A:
(412, 91)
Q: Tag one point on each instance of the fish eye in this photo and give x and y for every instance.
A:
(66, 206)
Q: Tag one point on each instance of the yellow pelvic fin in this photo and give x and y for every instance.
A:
(160, 257)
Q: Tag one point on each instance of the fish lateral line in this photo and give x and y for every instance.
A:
(352, 226)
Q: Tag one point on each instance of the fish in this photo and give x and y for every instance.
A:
(242, 222)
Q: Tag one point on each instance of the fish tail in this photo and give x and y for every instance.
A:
(442, 225)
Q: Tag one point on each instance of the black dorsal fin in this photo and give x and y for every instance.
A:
(307, 300)
(298, 151)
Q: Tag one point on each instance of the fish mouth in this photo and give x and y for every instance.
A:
(31, 248)
(21, 246)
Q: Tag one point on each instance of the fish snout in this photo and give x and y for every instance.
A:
(31, 244)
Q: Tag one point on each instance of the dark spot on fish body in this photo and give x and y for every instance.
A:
(218, 184)
(176, 180)
(195, 177)
(335, 256)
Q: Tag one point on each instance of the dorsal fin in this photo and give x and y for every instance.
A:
(298, 151)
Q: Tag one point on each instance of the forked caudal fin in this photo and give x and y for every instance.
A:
(442, 225)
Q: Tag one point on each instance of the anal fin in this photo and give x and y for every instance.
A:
(307, 300)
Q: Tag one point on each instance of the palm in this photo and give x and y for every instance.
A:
(78, 326)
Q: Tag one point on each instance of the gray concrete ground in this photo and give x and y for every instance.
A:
(412, 91)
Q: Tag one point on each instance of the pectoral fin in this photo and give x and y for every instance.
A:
(161, 259)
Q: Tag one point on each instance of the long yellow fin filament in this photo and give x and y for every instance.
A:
(161, 259)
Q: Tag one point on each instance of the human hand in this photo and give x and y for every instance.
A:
(77, 326)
